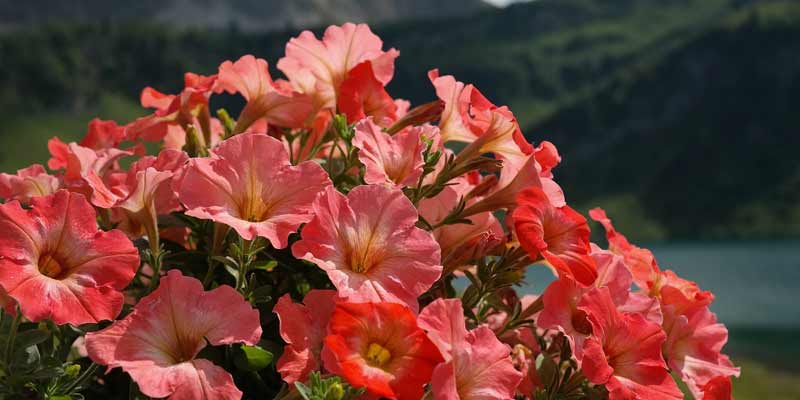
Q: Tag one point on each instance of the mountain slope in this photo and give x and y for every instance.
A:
(708, 131)
(247, 15)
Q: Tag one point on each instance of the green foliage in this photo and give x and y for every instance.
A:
(327, 389)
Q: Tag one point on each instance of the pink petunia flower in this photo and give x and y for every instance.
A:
(560, 235)
(27, 183)
(369, 245)
(378, 346)
(477, 365)
(319, 67)
(147, 193)
(87, 172)
(57, 265)
(303, 327)
(693, 348)
(157, 344)
(249, 185)
(249, 76)
(624, 352)
(392, 160)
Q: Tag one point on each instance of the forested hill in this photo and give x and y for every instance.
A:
(676, 115)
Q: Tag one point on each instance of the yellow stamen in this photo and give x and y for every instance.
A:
(378, 355)
(49, 267)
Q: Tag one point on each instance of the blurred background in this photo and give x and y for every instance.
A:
(677, 116)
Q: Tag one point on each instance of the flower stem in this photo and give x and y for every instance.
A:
(12, 337)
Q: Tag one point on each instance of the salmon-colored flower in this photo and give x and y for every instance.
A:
(363, 95)
(392, 160)
(88, 172)
(378, 346)
(693, 348)
(318, 67)
(175, 113)
(57, 265)
(303, 327)
(249, 76)
(719, 388)
(101, 135)
(477, 365)
(624, 352)
(147, 193)
(561, 298)
(157, 344)
(28, 182)
(369, 245)
(463, 242)
(249, 185)
(641, 262)
(558, 234)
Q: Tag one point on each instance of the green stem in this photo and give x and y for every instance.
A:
(12, 337)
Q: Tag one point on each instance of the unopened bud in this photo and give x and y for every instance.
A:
(335, 392)
(419, 115)
(72, 371)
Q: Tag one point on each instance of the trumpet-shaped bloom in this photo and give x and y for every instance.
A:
(147, 192)
(461, 243)
(392, 160)
(101, 135)
(249, 185)
(318, 67)
(57, 265)
(501, 137)
(363, 95)
(558, 234)
(624, 352)
(249, 76)
(28, 182)
(477, 365)
(718, 388)
(693, 348)
(88, 170)
(369, 245)
(157, 344)
(561, 298)
(641, 262)
(303, 327)
(379, 346)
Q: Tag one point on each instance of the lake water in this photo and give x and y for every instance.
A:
(756, 284)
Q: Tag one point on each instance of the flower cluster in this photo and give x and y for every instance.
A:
(339, 229)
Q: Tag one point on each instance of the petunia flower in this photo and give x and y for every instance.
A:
(463, 242)
(57, 265)
(392, 160)
(249, 76)
(624, 352)
(362, 95)
(249, 185)
(303, 327)
(562, 296)
(147, 193)
(477, 365)
(319, 67)
(175, 113)
(100, 135)
(27, 183)
(368, 244)
(693, 348)
(378, 346)
(719, 388)
(157, 344)
(560, 235)
(87, 172)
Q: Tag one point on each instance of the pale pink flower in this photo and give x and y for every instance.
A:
(28, 182)
(392, 160)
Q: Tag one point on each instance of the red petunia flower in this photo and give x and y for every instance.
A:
(558, 234)
(57, 265)
(378, 346)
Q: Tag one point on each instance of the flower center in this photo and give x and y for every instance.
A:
(377, 355)
(581, 322)
(50, 267)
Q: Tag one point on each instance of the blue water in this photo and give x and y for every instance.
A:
(756, 284)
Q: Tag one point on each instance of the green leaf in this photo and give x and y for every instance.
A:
(31, 338)
(262, 294)
(265, 265)
(252, 358)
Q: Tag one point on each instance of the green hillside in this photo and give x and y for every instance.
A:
(663, 110)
